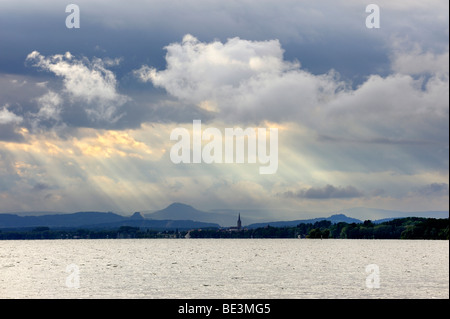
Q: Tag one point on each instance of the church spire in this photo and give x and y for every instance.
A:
(239, 223)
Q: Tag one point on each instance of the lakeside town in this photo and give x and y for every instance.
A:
(400, 228)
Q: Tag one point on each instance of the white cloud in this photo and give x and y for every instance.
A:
(251, 81)
(396, 107)
(196, 70)
(247, 80)
(85, 81)
(7, 117)
(412, 60)
(49, 106)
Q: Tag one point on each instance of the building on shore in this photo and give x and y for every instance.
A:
(238, 226)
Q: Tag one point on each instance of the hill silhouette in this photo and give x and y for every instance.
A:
(333, 219)
(95, 220)
(180, 211)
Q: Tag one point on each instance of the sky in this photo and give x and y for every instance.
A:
(86, 114)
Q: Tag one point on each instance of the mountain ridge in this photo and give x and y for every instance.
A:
(333, 218)
(96, 220)
(183, 216)
(180, 211)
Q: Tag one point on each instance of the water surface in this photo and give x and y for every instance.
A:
(223, 268)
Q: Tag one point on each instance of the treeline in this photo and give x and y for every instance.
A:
(402, 228)
(122, 232)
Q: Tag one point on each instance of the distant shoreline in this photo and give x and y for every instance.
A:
(403, 228)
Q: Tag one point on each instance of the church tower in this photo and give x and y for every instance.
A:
(239, 223)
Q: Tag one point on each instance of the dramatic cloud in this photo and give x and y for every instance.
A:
(87, 113)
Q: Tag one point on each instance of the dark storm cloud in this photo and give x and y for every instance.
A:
(8, 133)
(41, 187)
(326, 192)
(321, 34)
(434, 189)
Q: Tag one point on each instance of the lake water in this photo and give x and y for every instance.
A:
(224, 268)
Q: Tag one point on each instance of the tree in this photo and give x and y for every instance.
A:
(318, 233)
(368, 223)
